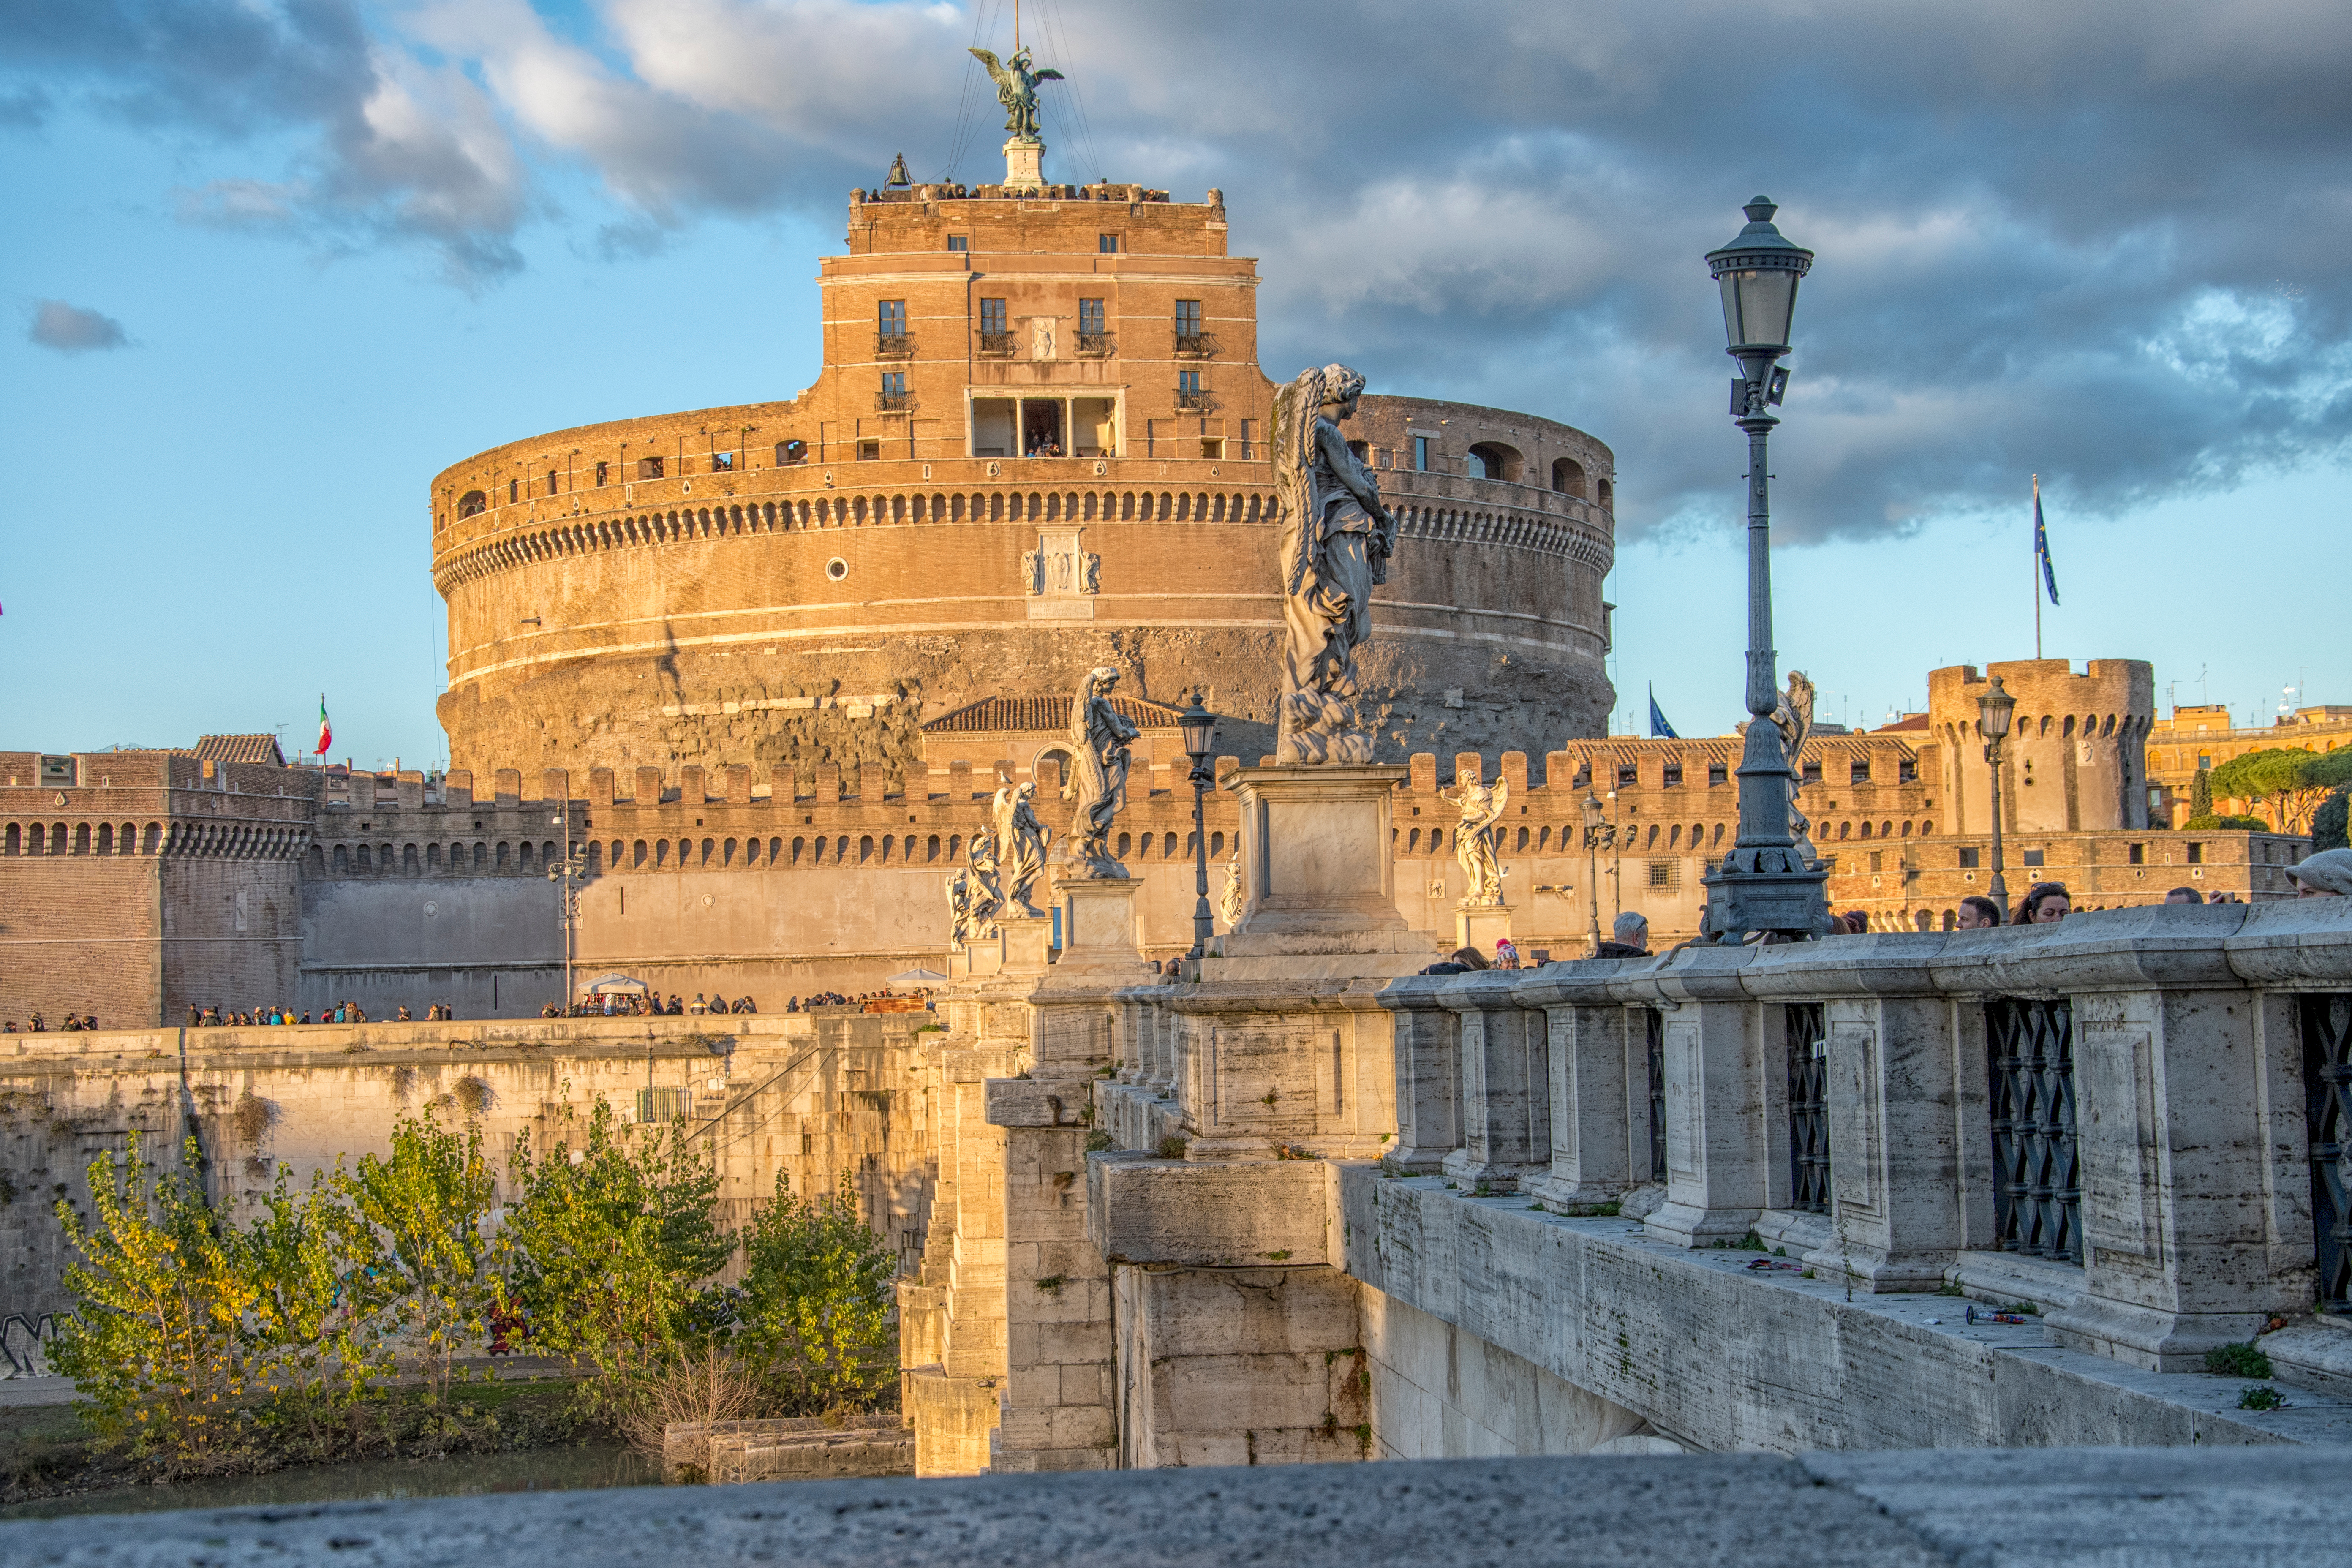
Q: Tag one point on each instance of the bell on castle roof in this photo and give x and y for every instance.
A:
(897, 179)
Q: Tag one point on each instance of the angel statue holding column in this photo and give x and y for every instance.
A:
(1475, 841)
(1100, 735)
(1337, 538)
(1016, 88)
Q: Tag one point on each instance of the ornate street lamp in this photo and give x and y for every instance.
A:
(568, 877)
(1765, 883)
(1600, 834)
(1200, 728)
(1994, 709)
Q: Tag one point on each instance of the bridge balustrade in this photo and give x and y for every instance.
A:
(2140, 1120)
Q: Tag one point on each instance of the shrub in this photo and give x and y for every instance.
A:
(694, 1388)
(2226, 825)
(816, 1301)
(2260, 1396)
(2244, 1359)
(608, 1245)
(2329, 823)
(432, 1264)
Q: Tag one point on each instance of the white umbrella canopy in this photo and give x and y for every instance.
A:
(915, 977)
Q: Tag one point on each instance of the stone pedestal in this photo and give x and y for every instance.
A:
(977, 959)
(1317, 876)
(1024, 943)
(1098, 930)
(1024, 159)
(1481, 926)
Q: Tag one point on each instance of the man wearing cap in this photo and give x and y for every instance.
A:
(2326, 875)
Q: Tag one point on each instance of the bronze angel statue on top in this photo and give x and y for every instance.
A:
(1016, 88)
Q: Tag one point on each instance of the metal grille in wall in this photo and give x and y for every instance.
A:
(2327, 1022)
(1809, 1119)
(1654, 1023)
(2037, 1184)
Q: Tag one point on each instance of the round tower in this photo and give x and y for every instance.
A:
(1037, 444)
(2075, 761)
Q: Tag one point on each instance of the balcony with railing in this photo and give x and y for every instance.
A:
(996, 345)
(893, 345)
(1196, 346)
(1195, 400)
(1097, 345)
(894, 402)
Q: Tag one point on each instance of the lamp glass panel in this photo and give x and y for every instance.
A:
(1756, 305)
(1196, 734)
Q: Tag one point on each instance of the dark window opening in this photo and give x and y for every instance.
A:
(1858, 771)
(603, 473)
(2031, 858)
(1107, 244)
(958, 242)
(1813, 774)
(649, 468)
(472, 502)
(1673, 774)
(1970, 860)
(1717, 773)
(791, 452)
(1628, 776)
(1420, 454)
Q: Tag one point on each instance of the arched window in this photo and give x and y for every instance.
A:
(685, 852)
(955, 846)
(1121, 852)
(709, 848)
(841, 849)
(727, 852)
(522, 856)
(1568, 477)
(154, 837)
(661, 853)
(1865, 830)
(408, 862)
(81, 838)
(750, 853)
(1494, 460)
(931, 848)
(342, 860)
(1412, 842)
(1605, 494)
(775, 848)
(864, 848)
(472, 502)
(1216, 845)
(106, 839)
(432, 856)
(366, 862)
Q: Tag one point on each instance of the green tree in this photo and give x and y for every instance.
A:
(817, 1300)
(318, 1326)
(428, 1260)
(2201, 794)
(159, 1344)
(2328, 823)
(610, 1245)
(2291, 781)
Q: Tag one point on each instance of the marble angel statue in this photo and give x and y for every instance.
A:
(1229, 901)
(1794, 716)
(1020, 846)
(1100, 735)
(1477, 840)
(1337, 538)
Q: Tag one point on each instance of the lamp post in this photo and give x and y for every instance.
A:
(1199, 729)
(567, 875)
(1994, 709)
(1600, 834)
(1765, 883)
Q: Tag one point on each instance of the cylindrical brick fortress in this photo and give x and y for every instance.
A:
(791, 582)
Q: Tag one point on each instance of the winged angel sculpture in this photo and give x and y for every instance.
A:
(1016, 88)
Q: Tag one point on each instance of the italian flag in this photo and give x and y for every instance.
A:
(326, 731)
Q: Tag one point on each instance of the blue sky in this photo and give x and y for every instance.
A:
(274, 264)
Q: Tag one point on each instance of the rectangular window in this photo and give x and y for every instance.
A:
(1860, 771)
(1188, 384)
(1212, 448)
(1107, 244)
(1420, 454)
(1812, 774)
(958, 242)
(1877, 859)
(722, 462)
(2033, 857)
(1970, 860)
(1628, 776)
(1673, 775)
(894, 383)
(868, 452)
(1717, 773)
(1188, 318)
(2139, 854)
(649, 468)
(550, 482)
(1661, 873)
(2196, 854)
(893, 322)
(603, 473)
(514, 490)
(1906, 771)
(991, 317)
(1090, 318)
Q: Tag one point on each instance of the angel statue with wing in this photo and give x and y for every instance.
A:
(1475, 841)
(1793, 715)
(1016, 88)
(1337, 538)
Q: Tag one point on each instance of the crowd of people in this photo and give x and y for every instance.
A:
(649, 1005)
(75, 1024)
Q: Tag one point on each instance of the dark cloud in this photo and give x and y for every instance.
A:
(2100, 241)
(71, 330)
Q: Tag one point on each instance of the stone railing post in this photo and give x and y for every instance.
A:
(1428, 1074)
(1717, 1154)
(1587, 1045)
(1506, 1085)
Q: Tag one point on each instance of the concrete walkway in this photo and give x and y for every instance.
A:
(1920, 1509)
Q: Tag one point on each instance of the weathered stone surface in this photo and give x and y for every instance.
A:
(2085, 1509)
(1145, 1210)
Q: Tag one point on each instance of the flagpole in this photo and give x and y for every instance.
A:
(2037, 570)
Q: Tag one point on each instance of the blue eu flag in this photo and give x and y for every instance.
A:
(2041, 550)
(1659, 729)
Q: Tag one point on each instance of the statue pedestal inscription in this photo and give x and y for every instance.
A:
(1027, 939)
(1482, 927)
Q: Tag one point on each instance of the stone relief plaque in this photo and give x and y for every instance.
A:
(2114, 1121)
(1261, 1078)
